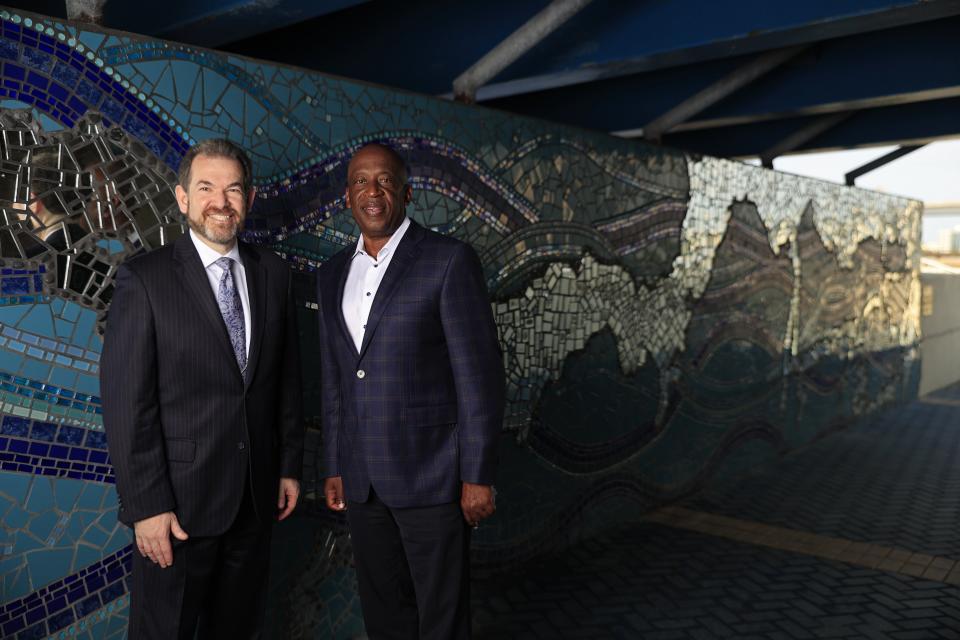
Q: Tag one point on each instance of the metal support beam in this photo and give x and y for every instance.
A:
(851, 177)
(90, 11)
(801, 136)
(515, 45)
(717, 91)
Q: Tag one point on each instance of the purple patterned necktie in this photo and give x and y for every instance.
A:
(228, 298)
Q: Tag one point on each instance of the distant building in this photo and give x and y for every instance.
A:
(946, 240)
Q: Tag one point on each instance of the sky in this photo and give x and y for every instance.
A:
(931, 174)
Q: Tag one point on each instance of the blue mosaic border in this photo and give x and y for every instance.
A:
(60, 604)
(49, 449)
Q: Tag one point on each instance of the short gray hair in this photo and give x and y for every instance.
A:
(217, 148)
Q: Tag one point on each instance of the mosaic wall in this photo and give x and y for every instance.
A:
(665, 318)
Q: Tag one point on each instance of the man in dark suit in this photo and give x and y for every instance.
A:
(413, 397)
(200, 382)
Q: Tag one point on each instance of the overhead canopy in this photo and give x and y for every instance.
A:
(734, 78)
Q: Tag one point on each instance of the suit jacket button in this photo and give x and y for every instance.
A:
(241, 446)
(361, 373)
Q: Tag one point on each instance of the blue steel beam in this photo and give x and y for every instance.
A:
(419, 46)
(907, 64)
(905, 124)
(614, 39)
(211, 23)
(424, 44)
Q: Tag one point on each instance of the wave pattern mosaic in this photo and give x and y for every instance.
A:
(664, 318)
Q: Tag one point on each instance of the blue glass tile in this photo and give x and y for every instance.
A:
(39, 449)
(97, 457)
(94, 582)
(79, 454)
(96, 440)
(18, 446)
(36, 59)
(65, 74)
(112, 109)
(34, 615)
(112, 592)
(115, 572)
(77, 105)
(56, 604)
(90, 94)
(88, 605)
(70, 435)
(37, 80)
(15, 426)
(59, 452)
(43, 431)
(9, 50)
(13, 626)
(15, 286)
(75, 593)
(36, 632)
(60, 93)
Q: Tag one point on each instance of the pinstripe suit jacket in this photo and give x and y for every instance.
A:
(185, 429)
(419, 408)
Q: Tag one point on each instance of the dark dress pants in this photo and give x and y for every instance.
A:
(215, 588)
(413, 570)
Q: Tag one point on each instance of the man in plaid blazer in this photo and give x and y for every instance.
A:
(413, 396)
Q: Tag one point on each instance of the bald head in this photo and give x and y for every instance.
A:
(377, 193)
(382, 153)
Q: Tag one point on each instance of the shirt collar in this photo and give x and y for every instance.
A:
(208, 256)
(391, 243)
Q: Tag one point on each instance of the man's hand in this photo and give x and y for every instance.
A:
(333, 490)
(289, 494)
(476, 502)
(153, 537)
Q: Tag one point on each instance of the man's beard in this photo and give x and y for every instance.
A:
(215, 234)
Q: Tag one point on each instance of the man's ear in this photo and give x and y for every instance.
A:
(346, 195)
(408, 194)
(182, 199)
(251, 198)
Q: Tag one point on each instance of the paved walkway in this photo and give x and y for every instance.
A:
(855, 536)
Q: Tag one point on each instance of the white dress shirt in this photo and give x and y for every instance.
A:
(363, 280)
(209, 258)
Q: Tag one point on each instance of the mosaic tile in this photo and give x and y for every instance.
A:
(662, 316)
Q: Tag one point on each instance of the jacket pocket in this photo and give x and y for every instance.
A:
(181, 449)
(430, 415)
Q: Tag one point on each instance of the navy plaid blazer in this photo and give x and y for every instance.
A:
(419, 409)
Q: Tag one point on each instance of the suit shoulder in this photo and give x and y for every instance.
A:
(331, 264)
(268, 257)
(151, 261)
(439, 242)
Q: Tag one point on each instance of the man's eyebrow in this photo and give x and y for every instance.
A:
(207, 182)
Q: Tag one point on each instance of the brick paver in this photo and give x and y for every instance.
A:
(884, 496)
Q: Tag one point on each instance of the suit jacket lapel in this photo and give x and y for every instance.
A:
(257, 295)
(194, 277)
(340, 277)
(406, 254)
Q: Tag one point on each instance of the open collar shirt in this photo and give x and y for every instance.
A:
(363, 280)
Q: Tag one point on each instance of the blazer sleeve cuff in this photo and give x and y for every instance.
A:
(291, 464)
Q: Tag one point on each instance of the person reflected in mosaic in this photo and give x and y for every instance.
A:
(200, 383)
(49, 217)
(413, 399)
